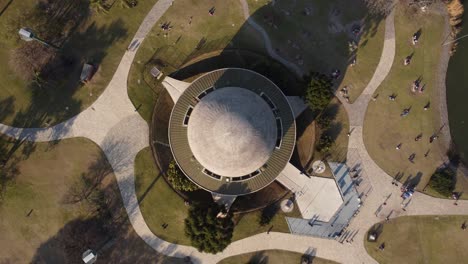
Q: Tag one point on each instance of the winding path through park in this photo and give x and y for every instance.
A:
(118, 129)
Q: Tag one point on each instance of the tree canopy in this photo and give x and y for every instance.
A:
(207, 232)
(443, 182)
(318, 94)
(325, 143)
(178, 180)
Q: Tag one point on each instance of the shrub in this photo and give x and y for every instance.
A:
(325, 143)
(268, 213)
(324, 122)
(207, 232)
(443, 182)
(178, 180)
(318, 94)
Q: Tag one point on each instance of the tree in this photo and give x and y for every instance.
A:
(178, 180)
(325, 143)
(30, 59)
(443, 182)
(268, 213)
(207, 232)
(324, 122)
(318, 94)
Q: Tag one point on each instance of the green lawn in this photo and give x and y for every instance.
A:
(338, 130)
(160, 204)
(248, 224)
(42, 187)
(308, 137)
(41, 182)
(100, 38)
(323, 46)
(270, 257)
(180, 42)
(421, 239)
(384, 129)
(226, 29)
(43, 178)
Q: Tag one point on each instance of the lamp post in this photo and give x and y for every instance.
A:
(26, 34)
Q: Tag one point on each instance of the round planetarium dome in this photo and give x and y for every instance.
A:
(232, 131)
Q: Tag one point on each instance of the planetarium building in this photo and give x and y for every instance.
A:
(231, 131)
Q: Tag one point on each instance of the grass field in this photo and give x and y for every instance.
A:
(384, 129)
(421, 239)
(309, 134)
(227, 29)
(101, 39)
(159, 204)
(324, 46)
(35, 214)
(181, 41)
(271, 257)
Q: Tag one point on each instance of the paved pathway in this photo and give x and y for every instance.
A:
(116, 127)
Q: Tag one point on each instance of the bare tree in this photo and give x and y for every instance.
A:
(29, 60)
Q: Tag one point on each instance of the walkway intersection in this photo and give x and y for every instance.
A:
(117, 128)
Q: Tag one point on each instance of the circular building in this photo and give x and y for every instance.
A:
(232, 131)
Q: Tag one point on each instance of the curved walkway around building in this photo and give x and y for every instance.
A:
(117, 128)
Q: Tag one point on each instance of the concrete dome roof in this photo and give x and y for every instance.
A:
(232, 131)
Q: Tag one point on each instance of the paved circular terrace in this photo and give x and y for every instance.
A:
(232, 131)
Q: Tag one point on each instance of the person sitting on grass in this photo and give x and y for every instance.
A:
(407, 61)
(405, 112)
(418, 137)
(415, 39)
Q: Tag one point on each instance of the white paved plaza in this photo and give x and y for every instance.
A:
(316, 197)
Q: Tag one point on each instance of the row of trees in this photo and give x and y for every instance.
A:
(318, 95)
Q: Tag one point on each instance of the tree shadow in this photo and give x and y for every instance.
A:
(259, 257)
(88, 182)
(12, 152)
(268, 213)
(6, 107)
(105, 229)
(148, 189)
(63, 23)
(335, 130)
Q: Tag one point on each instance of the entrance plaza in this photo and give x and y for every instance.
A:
(317, 197)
